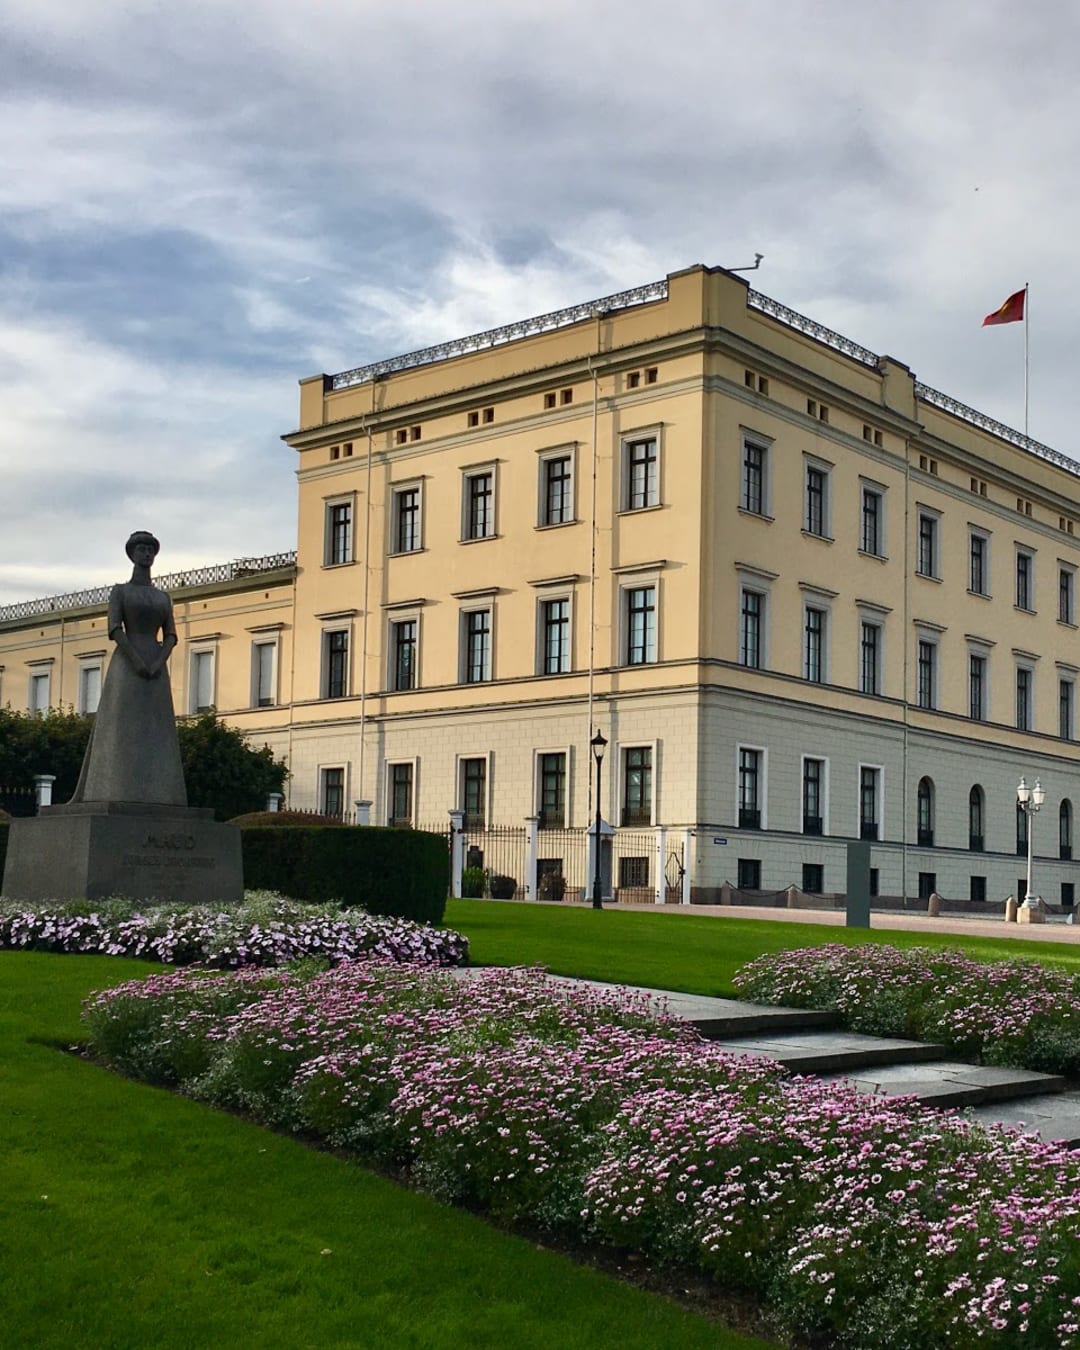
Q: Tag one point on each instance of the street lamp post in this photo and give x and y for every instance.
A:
(1030, 800)
(599, 745)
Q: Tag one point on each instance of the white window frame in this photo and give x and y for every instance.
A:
(87, 663)
(39, 671)
(626, 440)
(413, 761)
(544, 458)
(627, 584)
(324, 661)
(879, 798)
(469, 474)
(393, 619)
(1067, 677)
(547, 598)
(874, 617)
(488, 608)
(763, 783)
(820, 601)
(329, 504)
(397, 491)
(982, 650)
(823, 760)
(1069, 570)
(619, 774)
(822, 466)
(765, 445)
(323, 770)
(1024, 551)
(879, 490)
(568, 783)
(934, 516)
(196, 651)
(275, 698)
(459, 779)
(932, 640)
(1027, 665)
(977, 532)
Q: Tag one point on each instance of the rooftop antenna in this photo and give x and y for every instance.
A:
(754, 266)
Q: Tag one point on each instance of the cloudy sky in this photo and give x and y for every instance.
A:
(201, 204)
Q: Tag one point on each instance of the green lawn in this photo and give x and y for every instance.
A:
(133, 1218)
(695, 953)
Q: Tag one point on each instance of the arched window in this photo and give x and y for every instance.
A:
(1021, 830)
(976, 809)
(926, 812)
(1065, 829)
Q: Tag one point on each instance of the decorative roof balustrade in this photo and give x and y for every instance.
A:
(172, 581)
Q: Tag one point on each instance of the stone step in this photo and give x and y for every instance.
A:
(822, 1052)
(944, 1083)
(1056, 1118)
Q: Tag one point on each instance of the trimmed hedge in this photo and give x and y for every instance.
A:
(284, 817)
(405, 873)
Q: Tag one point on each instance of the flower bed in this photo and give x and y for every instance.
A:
(1014, 1013)
(862, 1222)
(266, 930)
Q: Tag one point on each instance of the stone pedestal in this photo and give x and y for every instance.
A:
(93, 850)
(1032, 915)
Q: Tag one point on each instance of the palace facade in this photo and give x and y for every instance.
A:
(805, 598)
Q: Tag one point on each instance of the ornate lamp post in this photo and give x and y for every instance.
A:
(599, 745)
(1030, 800)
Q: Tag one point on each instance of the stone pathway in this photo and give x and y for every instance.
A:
(808, 1042)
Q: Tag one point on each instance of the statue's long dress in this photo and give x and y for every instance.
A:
(134, 754)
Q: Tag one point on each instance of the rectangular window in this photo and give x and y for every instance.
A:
(927, 557)
(552, 791)
(869, 795)
(813, 878)
(1066, 709)
(817, 500)
(642, 474)
(263, 674)
(480, 505)
(748, 874)
(1066, 595)
(633, 873)
(978, 577)
(557, 490)
(89, 687)
(1023, 699)
(403, 649)
(977, 687)
(405, 525)
(926, 674)
(977, 889)
(640, 625)
(751, 652)
(814, 644)
(555, 628)
(401, 795)
(749, 789)
(202, 681)
(332, 792)
(813, 797)
(754, 465)
(39, 692)
(338, 533)
(477, 646)
(637, 785)
(870, 658)
(927, 884)
(871, 536)
(1024, 593)
(335, 664)
(474, 792)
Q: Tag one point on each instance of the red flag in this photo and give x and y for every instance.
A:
(1012, 311)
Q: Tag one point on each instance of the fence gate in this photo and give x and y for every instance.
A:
(674, 871)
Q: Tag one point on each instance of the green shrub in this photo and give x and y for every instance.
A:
(3, 846)
(399, 872)
(472, 883)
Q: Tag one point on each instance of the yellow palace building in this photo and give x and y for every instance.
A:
(805, 598)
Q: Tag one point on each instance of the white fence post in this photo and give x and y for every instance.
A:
(532, 845)
(688, 865)
(363, 811)
(274, 800)
(457, 849)
(661, 879)
(43, 787)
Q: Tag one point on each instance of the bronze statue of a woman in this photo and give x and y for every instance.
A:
(134, 754)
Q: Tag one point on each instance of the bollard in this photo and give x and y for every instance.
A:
(933, 905)
(1010, 909)
(792, 894)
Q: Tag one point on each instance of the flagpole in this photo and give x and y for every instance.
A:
(1026, 322)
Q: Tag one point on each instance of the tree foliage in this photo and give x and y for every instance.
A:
(221, 769)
